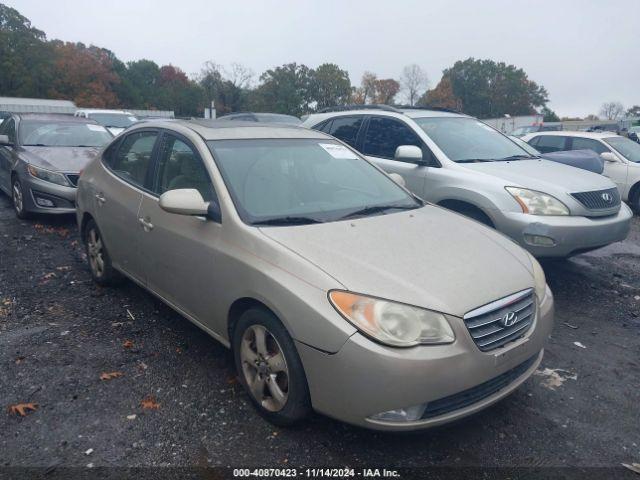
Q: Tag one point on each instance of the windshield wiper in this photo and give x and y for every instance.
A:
(34, 145)
(516, 157)
(377, 209)
(287, 221)
(474, 160)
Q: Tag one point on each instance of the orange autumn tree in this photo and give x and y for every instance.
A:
(84, 75)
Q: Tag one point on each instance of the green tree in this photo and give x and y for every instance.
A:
(26, 58)
(329, 86)
(633, 111)
(489, 89)
(549, 115)
(284, 89)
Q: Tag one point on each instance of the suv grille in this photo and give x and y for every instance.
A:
(73, 178)
(502, 321)
(599, 199)
(475, 394)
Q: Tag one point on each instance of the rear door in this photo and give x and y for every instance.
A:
(118, 193)
(178, 250)
(382, 137)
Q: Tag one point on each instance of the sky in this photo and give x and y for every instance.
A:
(585, 52)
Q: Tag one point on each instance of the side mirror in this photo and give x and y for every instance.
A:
(4, 140)
(409, 153)
(398, 179)
(213, 212)
(184, 201)
(609, 156)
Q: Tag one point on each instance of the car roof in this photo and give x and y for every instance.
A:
(89, 110)
(400, 113)
(236, 130)
(569, 133)
(49, 117)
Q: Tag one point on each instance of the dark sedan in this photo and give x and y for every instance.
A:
(41, 157)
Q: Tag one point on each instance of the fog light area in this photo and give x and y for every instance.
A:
(539, 240)
(44, 202)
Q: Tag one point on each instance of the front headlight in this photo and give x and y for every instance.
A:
(537, 203)
(392, 323)
(48, 175)
(539, 277)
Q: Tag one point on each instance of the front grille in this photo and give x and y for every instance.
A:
(599, 199)
(502, 321)
(479, 392)
(73, 178)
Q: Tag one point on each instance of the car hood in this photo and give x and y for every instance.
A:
(429, 257)
(543, 175)
(63, 159)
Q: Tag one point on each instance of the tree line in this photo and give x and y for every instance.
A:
(33, 66)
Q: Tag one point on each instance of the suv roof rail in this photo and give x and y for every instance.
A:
(437, 109)
(355, 106)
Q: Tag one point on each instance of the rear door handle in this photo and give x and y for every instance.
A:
(148, 226)
(100, 198)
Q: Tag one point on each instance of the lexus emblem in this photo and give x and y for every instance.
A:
(607, 197)
(509, 319)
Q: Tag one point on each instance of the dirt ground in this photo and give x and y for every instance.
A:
(59, 332)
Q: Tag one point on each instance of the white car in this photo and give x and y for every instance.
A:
(114, 120)
(621, 155)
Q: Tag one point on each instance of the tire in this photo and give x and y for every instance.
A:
(18, 195)
(270, 371)
(102, 270)
(635, 201)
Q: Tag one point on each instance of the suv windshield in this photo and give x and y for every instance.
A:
(628, 148)
(465, 139)
(298, 181)
(61, 134)
(118, 120)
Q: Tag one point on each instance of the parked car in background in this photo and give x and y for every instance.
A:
(543, 127)
(326, 278)
(634, 133)
(114, 120)
(458, 162)
(41, 156)
(4, 116)
(621, 156)
(262, 118)
(584, 159)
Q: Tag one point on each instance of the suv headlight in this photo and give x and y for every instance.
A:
(48, 175)
(539, 277)
(537, 203)
(392, 323)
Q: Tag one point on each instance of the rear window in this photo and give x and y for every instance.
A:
(550, 143)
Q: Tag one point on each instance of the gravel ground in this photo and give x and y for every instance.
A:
(59, 332)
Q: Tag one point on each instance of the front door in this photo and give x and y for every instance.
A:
(178, 250)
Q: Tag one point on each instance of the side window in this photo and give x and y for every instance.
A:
(534, 141)
(132, 160)
(588, 144)
(181, 167)
(384, 135)
(550, 143)
(8, 128)
(346, 129)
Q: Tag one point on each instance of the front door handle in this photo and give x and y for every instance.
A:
(100, 198)
(147, 225)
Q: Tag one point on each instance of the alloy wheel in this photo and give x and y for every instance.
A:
(95, 250)
(264, 368)
(18, 200)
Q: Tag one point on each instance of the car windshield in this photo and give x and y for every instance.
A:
(297, 181)
(63, 134)
(465, 139)
(628, 148)
(118, 120)
(524, 130)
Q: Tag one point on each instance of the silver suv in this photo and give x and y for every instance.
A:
(461, 163)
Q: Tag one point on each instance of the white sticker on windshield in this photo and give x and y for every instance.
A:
(338, 151)
(96, 128)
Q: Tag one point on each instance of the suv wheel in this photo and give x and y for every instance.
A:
(102, 271)
(269, 368)
(17, 194)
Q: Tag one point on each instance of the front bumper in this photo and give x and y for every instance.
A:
(39, 195)
(366, 378)
(570, 234)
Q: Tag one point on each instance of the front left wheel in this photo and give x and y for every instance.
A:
(17, 194)
(269, 367)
